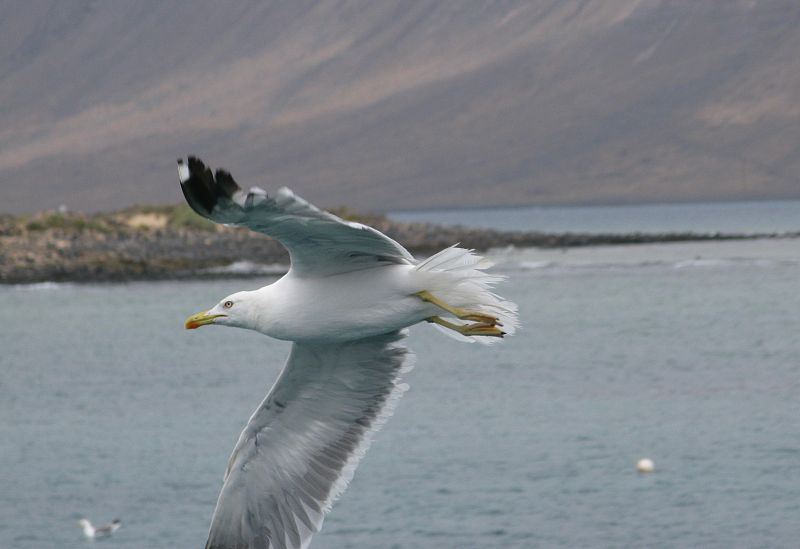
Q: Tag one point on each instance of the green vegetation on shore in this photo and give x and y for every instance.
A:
(178, 216)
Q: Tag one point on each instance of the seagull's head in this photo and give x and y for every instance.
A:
(239, 310)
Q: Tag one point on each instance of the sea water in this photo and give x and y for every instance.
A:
(752, 217)
(688, 354)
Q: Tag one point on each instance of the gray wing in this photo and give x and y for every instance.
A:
(302, 444)
(319, 243)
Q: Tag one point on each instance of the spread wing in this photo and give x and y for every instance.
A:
(319, 243)
(302, 444)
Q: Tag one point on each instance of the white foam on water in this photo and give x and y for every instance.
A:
(700, 262)
(760, 253)
(249, 268)
(534, 265)
(39, 286)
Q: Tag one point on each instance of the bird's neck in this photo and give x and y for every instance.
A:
(264, 314)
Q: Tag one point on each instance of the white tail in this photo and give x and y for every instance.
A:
(456, 276)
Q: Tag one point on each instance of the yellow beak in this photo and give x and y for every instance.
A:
(200, 319)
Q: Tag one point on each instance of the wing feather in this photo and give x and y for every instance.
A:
(301, 445)
(319, 242)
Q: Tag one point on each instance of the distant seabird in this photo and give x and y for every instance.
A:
(99, 531)
(344, 303)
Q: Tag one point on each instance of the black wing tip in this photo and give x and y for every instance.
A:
(226, 183)
(201, 188)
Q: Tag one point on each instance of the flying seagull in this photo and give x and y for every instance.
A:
(99, 531)
(345, 302)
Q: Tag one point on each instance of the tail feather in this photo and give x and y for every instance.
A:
(454, 259)
(456, 275)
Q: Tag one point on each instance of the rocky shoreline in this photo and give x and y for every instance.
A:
(168, 242)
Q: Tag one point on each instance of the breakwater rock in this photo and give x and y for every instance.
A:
(171, 242)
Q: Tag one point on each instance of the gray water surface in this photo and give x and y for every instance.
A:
(754, 217)
(111, 409)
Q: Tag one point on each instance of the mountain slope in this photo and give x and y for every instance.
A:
(385, 106)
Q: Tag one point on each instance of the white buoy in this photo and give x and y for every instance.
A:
(645, 465)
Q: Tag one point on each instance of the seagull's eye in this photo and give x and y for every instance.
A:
(228, 304)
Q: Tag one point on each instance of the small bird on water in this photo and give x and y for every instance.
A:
(106, 530)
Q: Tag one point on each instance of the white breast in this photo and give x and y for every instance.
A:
(343, 307)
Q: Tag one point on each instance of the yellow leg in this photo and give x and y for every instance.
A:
(477, 329)
(458, 312)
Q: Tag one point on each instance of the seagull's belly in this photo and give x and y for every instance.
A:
(347, 306)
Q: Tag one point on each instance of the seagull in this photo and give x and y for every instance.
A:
(92, 532)
(345, 302)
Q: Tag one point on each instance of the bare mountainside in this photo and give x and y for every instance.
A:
(389, 105)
